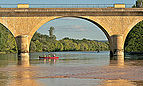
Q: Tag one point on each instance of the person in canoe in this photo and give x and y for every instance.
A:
(49, 55)
(54, 55)
(44, 55)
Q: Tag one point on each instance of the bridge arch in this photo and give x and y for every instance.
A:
(47, 19)
(9, 28)
(9, 25)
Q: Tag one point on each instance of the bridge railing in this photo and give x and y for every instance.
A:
(65, 5)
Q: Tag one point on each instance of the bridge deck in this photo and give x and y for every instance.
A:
(28, 12)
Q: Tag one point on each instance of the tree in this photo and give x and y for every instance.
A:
(51, 33)
(139, 4)
(38, 46)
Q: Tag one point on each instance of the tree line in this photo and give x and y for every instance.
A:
(46, 43)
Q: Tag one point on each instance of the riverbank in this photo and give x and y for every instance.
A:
(3, 53)
(135, 53)
(8, 52)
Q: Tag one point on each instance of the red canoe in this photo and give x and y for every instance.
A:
(48, 57)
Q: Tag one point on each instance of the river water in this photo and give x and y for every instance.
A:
(72, 69)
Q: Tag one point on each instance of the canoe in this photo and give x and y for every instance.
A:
(48, 57)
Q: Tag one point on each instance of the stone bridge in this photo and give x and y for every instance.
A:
(116, 23)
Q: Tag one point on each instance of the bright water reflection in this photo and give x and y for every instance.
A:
(22, 76)
(72, 69)
(119, 82)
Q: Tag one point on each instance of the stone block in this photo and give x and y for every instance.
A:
(119, 5)
(23, 6)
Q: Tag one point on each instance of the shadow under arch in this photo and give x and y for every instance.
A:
(90, 20)
(133, 27)
(6, 30)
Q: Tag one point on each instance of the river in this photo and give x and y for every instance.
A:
(72, 69)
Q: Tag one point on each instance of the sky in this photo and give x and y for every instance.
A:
(73, 28)
(67, 1)
(70, 27)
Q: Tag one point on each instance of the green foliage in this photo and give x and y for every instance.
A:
(7, 41)
(134, 40)
(48, 44)
(139, 4)
(139, 0)
(51, 33)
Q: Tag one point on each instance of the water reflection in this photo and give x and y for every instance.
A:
(3, 78)
(119, 62)
(23, 60)
(23, 76)
(49, 61)
(119, 82)
(139, 83)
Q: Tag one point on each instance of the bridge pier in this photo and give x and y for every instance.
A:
(22, 44)
(118, 47)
